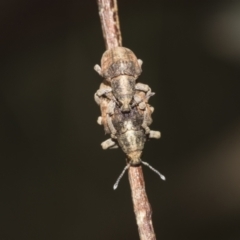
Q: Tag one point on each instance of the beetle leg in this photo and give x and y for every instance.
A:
(111, 107)
(109, 143)
(137, 99)
(99, 120)
(142, 95)
(111, 127)
(104, 90)
(104, 104)
(145, 122)
(144, 88)
(114, 147)
(151, 109)
(110, 111)
(98, 69)
(142, 105)
(148, 95)
(140, 62)
(154, 134)
(97, 99)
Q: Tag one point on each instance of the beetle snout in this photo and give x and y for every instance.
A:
(125, 104)
(125, 107)
(134, 157)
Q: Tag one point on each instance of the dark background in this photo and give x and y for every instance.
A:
(56, 181)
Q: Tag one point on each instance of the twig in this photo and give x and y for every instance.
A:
(142, 207)
(108, 12)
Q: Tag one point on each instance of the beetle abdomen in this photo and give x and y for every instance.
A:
(132, 141)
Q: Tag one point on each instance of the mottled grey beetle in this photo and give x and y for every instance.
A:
(120, 68)
(127, 132)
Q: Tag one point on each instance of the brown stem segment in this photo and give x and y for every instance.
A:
(141, 204)
(108, 12)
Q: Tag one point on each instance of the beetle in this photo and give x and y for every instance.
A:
(127, 132)
(120, 69)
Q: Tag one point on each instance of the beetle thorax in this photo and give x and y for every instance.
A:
(123, 88)
(120, 61)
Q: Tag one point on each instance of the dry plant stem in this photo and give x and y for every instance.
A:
(141, 204)
(108, 12)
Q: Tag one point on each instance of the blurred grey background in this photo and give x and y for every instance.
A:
(56, 181)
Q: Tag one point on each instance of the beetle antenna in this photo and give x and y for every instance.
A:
(153, 169)
(119, 178)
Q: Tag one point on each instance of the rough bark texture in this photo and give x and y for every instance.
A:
(141, 204)
(108, 12)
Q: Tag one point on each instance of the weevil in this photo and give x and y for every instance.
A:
(120, 69)
(127, 132)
